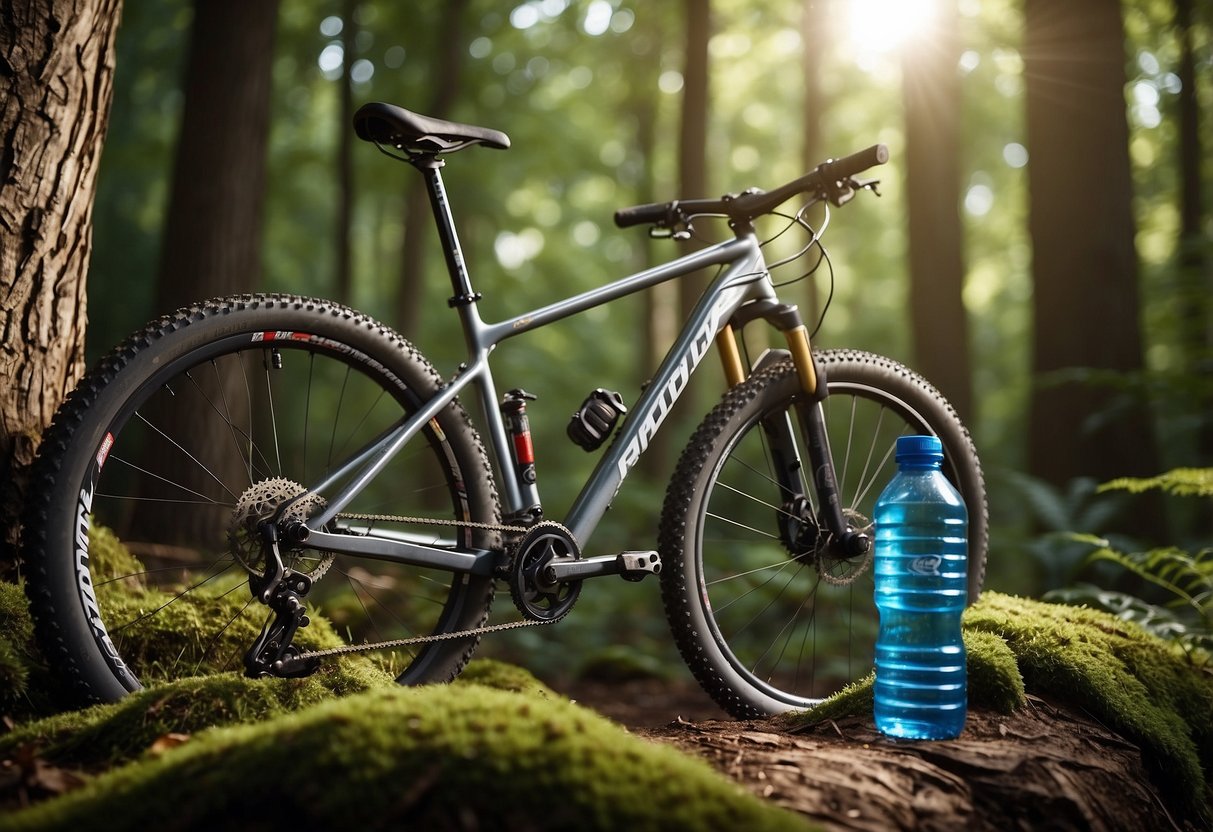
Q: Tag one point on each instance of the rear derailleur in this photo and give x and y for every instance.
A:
(282, 590)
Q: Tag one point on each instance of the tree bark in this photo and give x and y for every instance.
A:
(939, 323)
(56, 85)
(1084, 265)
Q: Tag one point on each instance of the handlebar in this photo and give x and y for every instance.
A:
(830, 179)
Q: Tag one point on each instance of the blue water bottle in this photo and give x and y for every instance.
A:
(921, 561)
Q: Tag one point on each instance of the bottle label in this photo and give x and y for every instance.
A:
(926, 565)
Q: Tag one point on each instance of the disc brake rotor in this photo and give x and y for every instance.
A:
(257, 505)
(836, 569)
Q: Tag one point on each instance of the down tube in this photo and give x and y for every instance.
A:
(743, 281)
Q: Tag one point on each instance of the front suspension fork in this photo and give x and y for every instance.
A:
(781, 432)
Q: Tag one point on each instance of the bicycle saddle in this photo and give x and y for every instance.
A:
(388, 124)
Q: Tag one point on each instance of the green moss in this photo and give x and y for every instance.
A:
(113, 734)
(13, 673)
(15, 630)
(196, 633)
(853, 700)
(108, 557)
(994, 678)
(993, 682)
(449, 757)
(503, 676)
(1140, 686)
(26, 688)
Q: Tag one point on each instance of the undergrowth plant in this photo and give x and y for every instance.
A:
(1186, 578)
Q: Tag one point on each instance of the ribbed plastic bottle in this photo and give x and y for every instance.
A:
(921, 561)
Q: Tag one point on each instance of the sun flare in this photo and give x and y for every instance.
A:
(882, 26)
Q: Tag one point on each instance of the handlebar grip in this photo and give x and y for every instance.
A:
(847, 166)
(641, 214)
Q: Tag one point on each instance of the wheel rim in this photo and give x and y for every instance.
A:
(788, 632)
(214, 426)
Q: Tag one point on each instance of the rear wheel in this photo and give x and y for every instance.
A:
(142, 529)
(766, 614)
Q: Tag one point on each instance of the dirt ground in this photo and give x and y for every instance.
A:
(1044, 767)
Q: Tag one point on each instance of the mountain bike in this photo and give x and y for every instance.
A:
(268, 482)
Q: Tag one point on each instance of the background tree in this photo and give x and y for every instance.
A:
(450, 46)
(1195, 279)
(1085, 303)
(56, 85)
(345, 155)
(815, 35)
(213, 229)
(693, 127)
(933, 160)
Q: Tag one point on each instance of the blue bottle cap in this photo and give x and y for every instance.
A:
(924, 448)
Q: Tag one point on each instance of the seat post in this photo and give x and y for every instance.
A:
(430, 167)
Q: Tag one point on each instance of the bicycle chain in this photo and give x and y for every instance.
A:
(409, 642)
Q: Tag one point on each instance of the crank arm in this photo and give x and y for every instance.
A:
(631, 566)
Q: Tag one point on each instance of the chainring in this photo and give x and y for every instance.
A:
(256, 506)
(536, 597)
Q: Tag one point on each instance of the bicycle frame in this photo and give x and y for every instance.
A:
(743, 279)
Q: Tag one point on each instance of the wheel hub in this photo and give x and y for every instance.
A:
(258, 505)
(808, 541)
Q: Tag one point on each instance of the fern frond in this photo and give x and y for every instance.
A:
(1193, 639)
(1187, 577)
(1182, 482)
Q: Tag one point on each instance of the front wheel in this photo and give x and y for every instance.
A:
(766, 613)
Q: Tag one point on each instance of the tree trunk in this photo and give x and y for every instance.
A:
(418, 218)
(345, 157)
(1196, 282)
(56, 85)
(815, 32)
(662, 301)
(212, 236)
(931, 88)
(1084, 265)
(693, 132)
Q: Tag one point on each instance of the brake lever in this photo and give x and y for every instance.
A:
(866, 185)
(841, 192)
(661, 232)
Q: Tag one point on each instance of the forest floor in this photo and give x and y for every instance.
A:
(1046, 766)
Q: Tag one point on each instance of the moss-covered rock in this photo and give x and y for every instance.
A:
(1142, 687)
(501, 676)
(994, 678)
(450, 757)
(110, 735)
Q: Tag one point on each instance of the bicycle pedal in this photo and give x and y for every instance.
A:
(634, 566)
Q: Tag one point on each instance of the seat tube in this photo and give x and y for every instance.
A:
(461, 282)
